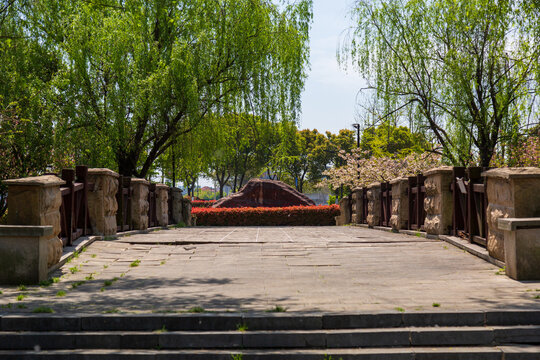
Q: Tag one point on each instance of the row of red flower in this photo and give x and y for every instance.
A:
(267, 216)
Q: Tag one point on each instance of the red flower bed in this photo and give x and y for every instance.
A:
(266, 216)
(202, 203)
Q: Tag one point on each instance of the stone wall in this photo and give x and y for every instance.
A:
(438, 202)
(374, 204)
(511, 193)
(400, 204)
(102, 205)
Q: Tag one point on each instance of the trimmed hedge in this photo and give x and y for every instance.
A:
(267, 216)
(202, 203)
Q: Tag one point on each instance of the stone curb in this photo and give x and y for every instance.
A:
(68, 252)
(473, 249)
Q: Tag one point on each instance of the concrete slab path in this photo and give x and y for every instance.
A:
(305, 269)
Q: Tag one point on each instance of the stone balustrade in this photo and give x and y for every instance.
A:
(30, 245)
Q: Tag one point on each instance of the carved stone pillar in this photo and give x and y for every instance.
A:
(438, 202)
(400, 204)
(36, 201)
(374, 204)
(186, 211)
(345, 211)
(162, 206)
(356, 208)
(139, 204)
(511, 193)
(176, 205)
(102, 205)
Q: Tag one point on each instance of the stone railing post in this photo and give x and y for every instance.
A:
(25, 253)
(176, 205)
(345, 211)
(356, 208)
(186, 211)
(511, 193)
(102, 205)
(139, 204)
(37, 201)
(400, 204)
(521, 247)
(374, 204)
(438, 202)
(162, 204)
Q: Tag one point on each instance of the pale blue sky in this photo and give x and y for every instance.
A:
(329, 98)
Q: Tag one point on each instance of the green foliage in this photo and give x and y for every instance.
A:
(388, 140)
(464, 72)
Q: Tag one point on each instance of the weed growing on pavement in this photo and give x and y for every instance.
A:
(241, 327)
(21, 297)
(276, 309)
(22, 288)
(135, 263)
(436, 305)
(43, 310)
(196, 309)
(61, 293)
(400, 309)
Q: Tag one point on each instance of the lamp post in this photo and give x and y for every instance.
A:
(357, 127)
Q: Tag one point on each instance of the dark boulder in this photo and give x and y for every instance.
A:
(264, 193)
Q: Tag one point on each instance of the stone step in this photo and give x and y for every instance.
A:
(352, 338)
(438, 353)
(266, 321)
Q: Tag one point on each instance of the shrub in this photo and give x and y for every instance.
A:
(266, 216)
(202, 203)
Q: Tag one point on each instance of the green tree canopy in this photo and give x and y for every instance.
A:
(466, 72)
(137, 75)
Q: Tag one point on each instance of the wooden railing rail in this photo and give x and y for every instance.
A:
(123, 199)
(386, 203)
(152, 216)
(74, 221)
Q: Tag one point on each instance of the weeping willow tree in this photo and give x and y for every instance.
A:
(137, 75)
(466, 72)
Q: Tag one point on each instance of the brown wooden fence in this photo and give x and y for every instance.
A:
(470, 203)
(74, 221)
(123, 199)
(386, 203)
(152, 216)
